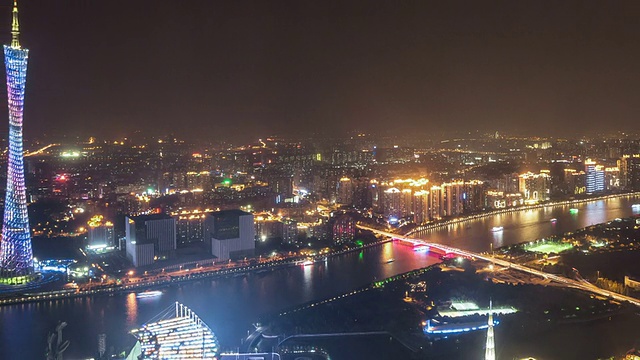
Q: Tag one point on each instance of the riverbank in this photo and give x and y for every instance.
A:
(399, 305)
(458, 220)
(177, 279)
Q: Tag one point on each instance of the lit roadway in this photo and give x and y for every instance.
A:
(40, 151)
(581, 285)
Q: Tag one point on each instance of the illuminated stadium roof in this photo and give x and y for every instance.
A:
(466, 308)
(175, 333)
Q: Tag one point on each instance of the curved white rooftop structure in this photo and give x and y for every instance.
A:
(175, 333)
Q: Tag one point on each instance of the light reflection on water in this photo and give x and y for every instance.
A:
(522, 226)
(132, 310)
(230, 305)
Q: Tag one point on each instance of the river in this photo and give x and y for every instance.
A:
(229, 305)
(526, 225)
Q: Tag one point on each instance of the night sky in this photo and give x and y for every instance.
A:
(238, 69)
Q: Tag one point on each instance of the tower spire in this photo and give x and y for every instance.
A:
(15, 27)
(490, 347)
(16, 255)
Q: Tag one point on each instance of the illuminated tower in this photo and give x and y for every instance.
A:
(16, 257)
(490, 348)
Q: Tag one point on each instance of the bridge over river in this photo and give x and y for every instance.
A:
(561, 280)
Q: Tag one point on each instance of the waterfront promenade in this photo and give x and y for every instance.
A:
(168, 279)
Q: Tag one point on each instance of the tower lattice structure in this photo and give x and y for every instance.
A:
(490, 347)
(16, 255)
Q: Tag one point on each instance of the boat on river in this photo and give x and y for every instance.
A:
(148, 294)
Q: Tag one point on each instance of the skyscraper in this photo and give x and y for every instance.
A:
(595, 178)
(490, 347)
(16, 256)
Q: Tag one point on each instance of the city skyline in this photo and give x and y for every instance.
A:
(328, 181)
(244, 69)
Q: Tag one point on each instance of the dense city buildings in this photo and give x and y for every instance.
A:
(314, 206)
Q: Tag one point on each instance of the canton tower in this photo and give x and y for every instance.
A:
(16, 256)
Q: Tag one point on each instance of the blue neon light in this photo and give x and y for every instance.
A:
(16, 255)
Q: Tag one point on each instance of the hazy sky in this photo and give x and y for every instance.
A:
(234, 68)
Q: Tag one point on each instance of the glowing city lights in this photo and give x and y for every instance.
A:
(178, 333)
(16, 256)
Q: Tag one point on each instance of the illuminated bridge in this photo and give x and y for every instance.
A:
(449, 251)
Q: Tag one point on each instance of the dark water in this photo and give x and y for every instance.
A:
(230, 305)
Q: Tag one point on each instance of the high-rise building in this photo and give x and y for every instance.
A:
(595, 178)
(16, 256)
(629, 167)
(149, 238)
(392, 203)
(189, 228)
(535, 187)
(345, 191)
(344, 229)
(230, 234)
(435, 202)
(611, 178)
(421, 207)
(100, 233)
(452, 198)
(575, 181)
(473, 196)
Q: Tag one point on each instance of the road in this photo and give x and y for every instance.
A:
(566, 282)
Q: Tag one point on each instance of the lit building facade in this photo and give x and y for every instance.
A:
(189, 227)
(535, 187)
(576, 181)
(420, 202)
(391, 203)
(501, 200)
(473, 196)
(629, 167)
(100, 233)
(421, 213)
(345, 191)
(611, 178)
(344, 229)
(452, 198)
(595, 177)
(435, 202)
(16, 255)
